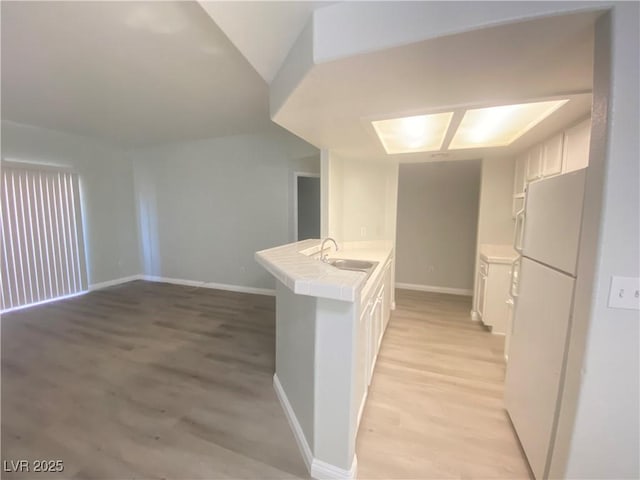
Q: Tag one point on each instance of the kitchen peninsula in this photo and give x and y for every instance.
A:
(329, 326)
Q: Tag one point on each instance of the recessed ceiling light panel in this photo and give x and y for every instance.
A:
(499, 126)
(420, 133)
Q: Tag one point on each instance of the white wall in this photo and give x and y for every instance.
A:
(495, 223)
(206, 207)
(599, 425)
(106, 189)
(362, 199)
(437, 223)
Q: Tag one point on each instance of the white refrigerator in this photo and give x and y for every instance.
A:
(547, 238)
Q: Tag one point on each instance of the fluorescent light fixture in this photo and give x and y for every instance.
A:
(499, 126)
(420, 133)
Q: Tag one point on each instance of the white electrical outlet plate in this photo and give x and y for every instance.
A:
(625, 293)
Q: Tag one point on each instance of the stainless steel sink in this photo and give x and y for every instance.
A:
(348, 264)
(353, 265)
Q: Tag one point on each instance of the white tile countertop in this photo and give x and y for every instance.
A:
(298, 266)
(497, 253)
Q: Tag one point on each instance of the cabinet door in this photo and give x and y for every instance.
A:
(482, 291)
(519, 178)
(517, 205)
(379, 318)
(375, 329)
(386, 302)
(362, 361)
(552, 156)
(576, 147)
(371, 341)
(534, 163)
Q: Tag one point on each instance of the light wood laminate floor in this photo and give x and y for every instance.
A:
(146, 380)
(435, 407)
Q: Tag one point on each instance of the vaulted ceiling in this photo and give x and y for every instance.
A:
(143, 73)
(131, 73)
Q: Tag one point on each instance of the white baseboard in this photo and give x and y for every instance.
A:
(325, 471)
(317, 468)
(298, 434)
(216, 286)
(434, 289)
(475, 317)
(117, 281)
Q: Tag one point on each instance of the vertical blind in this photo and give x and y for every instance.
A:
(42, 240)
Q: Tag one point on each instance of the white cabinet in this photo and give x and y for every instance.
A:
(375, 332)
(519, 183)
(372, 322)
(564, 152)
(378, 319)
(534, 163)
(576, 146)
(552, 155)
(519, 179)
(517, 205)
(361, 377)
(387, 297)
(494, 281)
(482, 290)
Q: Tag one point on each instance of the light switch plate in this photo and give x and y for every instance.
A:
(625, 293)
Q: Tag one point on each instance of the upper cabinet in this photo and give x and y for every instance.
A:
(576, 147)
(534, 163)
(519, 180)
(562, 153)
(552, 155)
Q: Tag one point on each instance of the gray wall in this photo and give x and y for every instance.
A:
(206, 207)
(106, 189)
(437, 220)
(308, 207)
(295, 354)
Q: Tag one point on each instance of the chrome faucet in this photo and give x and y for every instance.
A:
(323, 256)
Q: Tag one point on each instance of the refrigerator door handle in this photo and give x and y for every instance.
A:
(512, 290)
(519, 232)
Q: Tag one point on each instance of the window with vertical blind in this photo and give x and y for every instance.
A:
(42, 241)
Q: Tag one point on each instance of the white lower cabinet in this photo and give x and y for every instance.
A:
(361, 379)
(494, 311)
(376, 331)
(493, 284)
(482, 292)
(387, 297)
(373, 320)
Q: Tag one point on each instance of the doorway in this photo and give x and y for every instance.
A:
(306, 206)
